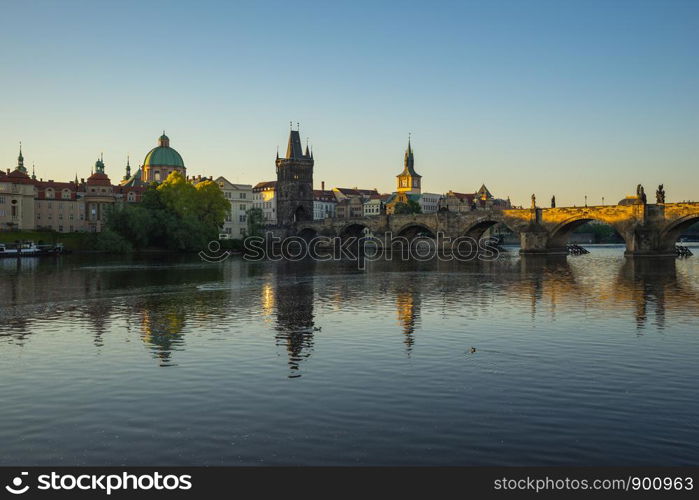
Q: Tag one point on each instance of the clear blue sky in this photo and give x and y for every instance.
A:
(542, 97)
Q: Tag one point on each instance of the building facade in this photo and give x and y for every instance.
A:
(324, 204)
(429, 202)
(264, 197)
(241, 198)
(16, 198)
(374, 206)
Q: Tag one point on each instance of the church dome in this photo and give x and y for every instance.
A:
(163, 155)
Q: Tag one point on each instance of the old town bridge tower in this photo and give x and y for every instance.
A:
(294, 190)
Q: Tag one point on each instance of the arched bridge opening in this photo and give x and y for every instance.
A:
(600, 231)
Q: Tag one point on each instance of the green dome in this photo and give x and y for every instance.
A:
(163, 155)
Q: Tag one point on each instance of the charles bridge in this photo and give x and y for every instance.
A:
(647, 229)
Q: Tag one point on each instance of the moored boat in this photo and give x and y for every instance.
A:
(29, 249)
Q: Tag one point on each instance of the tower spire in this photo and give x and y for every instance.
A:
(20, 160)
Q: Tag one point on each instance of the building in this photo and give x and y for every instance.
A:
(429, 202)
(375, 205)
(400, 197)
(17, 198)
(161, 161)
(465, 202)
(264, 197)
(241, 198)
(408, 180)
(346, 193)
(28, 203)
(349, 208)
(324, 203)
(294, 189)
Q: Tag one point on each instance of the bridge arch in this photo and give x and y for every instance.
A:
(672, 231)
(477, 228)
(412, 230)
(307, 233)
(560, 234)
(353, 229)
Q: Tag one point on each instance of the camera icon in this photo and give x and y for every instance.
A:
(16, 487)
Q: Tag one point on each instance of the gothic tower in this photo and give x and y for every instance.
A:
(294, 183)
(409, 179)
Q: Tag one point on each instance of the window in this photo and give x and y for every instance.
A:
(66, 194)
(242, 207)
(241, 218)
(242, 196)
(2, 199)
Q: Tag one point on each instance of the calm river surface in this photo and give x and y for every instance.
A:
(588, 360)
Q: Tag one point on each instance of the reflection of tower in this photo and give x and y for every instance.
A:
(162, 325)
(408, 306)
(294, 183)
(294, 300)
(648, 282)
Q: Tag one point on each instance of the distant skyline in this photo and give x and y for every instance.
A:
(547, 97)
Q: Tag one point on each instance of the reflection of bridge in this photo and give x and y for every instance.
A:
(647, 229)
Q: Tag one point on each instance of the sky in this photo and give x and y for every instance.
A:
(571, 98)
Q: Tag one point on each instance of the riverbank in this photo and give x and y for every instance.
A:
(75, 242)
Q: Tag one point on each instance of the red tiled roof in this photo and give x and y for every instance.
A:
(18, 177)
(320, 195)
(468, 197)
(265, 185)
(99, 179)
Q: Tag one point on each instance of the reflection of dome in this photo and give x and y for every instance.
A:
(163, 155)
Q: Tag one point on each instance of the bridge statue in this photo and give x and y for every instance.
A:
(641, 194)
(660, 195)
(553, 201)
(533, 201)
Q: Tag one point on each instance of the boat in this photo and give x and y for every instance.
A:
(29, 249)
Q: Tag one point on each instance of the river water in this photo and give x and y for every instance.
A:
(585, 360)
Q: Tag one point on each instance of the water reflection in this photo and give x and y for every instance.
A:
(168, 299)
(294, 310)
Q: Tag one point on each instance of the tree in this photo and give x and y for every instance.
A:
(175, 214)
(177, 194)
(256, 221)
(411, 207)
(211, 205)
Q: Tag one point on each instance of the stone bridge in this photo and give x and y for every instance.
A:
(647, 229)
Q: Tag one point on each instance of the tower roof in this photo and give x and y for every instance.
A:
(294, 149)
(409, 163)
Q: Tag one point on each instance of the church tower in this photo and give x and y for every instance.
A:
(294, 190)
(408, 179)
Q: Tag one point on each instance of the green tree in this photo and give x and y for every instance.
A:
(256, 221)
(211, 206)
(177, 194)
(411, 207)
